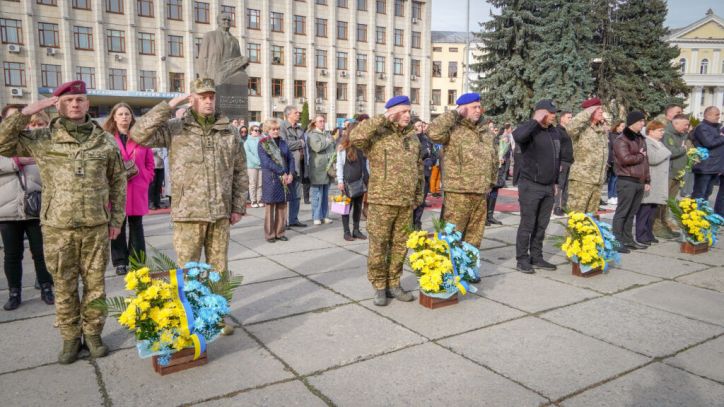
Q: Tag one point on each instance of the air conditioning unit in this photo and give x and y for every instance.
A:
(415, 20)
(413, 77)
(301, 101)
(118, 57)
(381, 76)
(276, 61)
(360, 74)
(452, 79)
(433, 108)
(16, 92)
(360, 98)
(319, 100)
(323, 72)
(282, 100)
(320, 109)
(14, 48)
(50, 51)
(343, 74)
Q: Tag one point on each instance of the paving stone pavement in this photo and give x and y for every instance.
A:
(648, 333)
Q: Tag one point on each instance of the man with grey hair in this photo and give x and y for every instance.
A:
(293, 134)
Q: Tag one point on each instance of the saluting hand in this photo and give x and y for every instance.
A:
(178, 100)
(39, 106)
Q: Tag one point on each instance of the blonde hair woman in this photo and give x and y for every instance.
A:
(277, 165)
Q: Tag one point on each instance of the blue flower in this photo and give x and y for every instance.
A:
(192, 272)
(214, 277)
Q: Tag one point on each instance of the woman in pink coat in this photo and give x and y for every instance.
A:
(119, 122)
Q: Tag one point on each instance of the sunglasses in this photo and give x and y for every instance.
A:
(254, 129)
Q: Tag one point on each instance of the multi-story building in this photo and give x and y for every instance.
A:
(341, 56)
(701, 63)
(451, 75)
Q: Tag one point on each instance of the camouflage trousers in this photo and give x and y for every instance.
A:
(583, 197)
(468, 213)
(387, 226)
(70, 253)
(189, 238)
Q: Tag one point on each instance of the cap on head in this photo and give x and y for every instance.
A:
(70, 88)
(591, 102)
(466, 98)
(547, 104)
(203, 85)
(396, 101)
(634, 117)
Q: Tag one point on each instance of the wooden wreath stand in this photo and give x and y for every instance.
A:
(181, 360)
(434, 302)
(577, 271)
(690, 248)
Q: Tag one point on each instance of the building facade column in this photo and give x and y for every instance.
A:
(696, 101)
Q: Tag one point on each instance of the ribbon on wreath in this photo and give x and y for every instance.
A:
(463, 286)
(176, 278)
(607, 252)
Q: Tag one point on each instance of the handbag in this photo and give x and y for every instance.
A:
(31, 200)
(131, 168)
(356, 189)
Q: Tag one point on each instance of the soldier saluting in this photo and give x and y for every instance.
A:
(84, 196)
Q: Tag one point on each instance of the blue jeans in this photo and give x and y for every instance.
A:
(294, 196)
(320, 201)
(703, 187)
(612, 178)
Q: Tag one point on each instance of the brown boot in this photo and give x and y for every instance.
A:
(95, 346)
(69, 354)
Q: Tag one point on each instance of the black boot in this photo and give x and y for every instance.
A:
(46, 293)
(356, 232)
(13, 301)
(345, 226)
(490, 220)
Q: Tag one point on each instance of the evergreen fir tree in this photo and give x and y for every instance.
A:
(304, 117)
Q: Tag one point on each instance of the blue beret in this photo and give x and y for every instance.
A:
(397, 100)
(466, 98)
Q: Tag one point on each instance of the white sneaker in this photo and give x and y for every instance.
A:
(317, 222)
(261, 205)
(255, 205)
(327, 221)
(613, 201)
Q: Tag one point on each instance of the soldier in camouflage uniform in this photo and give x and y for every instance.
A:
(83, 205)
(395, 188)
(208, 172)
(590, 152)
(470, 168)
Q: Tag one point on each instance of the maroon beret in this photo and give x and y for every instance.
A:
(591, 102)
(70, 88)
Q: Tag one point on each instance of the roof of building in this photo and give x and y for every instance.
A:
(676, 33)
(454, 37)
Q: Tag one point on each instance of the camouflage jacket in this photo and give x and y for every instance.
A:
(396, 170)
(84, 183)
(471, 156)
(208, 167)
(590, 150)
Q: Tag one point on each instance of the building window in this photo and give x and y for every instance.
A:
(175, 46)
(452, 69)
(176, 82)
(320, 58)
(86, 74)
(277, 88)
(362, 5)
(82, 4)
(83, 38)
(399, 8)
(417, 10)
(361, 94)
(321, 90)
(379, 94)
(381, 6)
(415, 67)
(14, 73)
(379, 64)
(342, 61)
(277, 22)
(231, 11)
(321, 2)
(11, 31)
(300, 57)
(254, 86)
(146, 44)
(704, 68)
(300, 89)
(117, 79)
(147, 81)
(253, 19)
(436, 69)
(452, 96)
(174, 10)
(380, 34)
(253, 51)
(436, 97)
(415, 95)
(116, 41)
(341, 30)
(277, 55)
(397, 91)
(300, 25)
(397, 64)
(362, 32)
(453, 49)
(342, 3)
(48, 2)
(48, 35)
(145, 8)
(398, 37)
(320, 27)
(114, 6)
(361, 62)
(436, 49)
(416, 39)
(197, 46)
(341, 91)
(254, 115)
(201, 12)
(50, 75)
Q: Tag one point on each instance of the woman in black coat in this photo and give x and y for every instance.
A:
(277, 163)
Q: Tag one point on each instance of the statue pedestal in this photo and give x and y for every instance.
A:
(232, 96)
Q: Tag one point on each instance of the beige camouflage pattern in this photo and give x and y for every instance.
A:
(80, 179)
(590, 151)
(471, 156)
(468, 213)
(189, 238)
(583, 197)
(208, 167)
(396, 170)
(69, 253)
(387, 226)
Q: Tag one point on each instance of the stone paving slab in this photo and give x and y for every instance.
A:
(259, 269)
(614, 281)
(656, 385)
(274, 299)
(505, 256)
(19, 337)
(659, 266)
(321, 261)
(712, 279)
(634, 326)
(503, 234)
(335, 234)
(296, 243)
(32, 305)
(694, 302)
(287, 394)
(361, 248)
(488, 244)
(425, 375)
(354, 284)
(332, 337)
(705, 359)
(52, 385)
(531, 293)
(552, 360)
(235, 363)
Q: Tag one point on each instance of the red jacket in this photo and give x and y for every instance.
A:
(627, 157)
(137, 192)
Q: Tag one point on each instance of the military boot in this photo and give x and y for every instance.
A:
(95, 346)
(380, 298)
(69, 354)
(400, 294)
(226, 329)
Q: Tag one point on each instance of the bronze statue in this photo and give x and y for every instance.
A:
(220, 53)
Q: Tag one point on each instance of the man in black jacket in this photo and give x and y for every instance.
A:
(539, 170)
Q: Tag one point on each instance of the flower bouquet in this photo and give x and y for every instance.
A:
(341, 204)
(693, 156)
(698, 222)
(443, 263)
(590, 245)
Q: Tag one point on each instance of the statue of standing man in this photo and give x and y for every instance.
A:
(220, 53)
